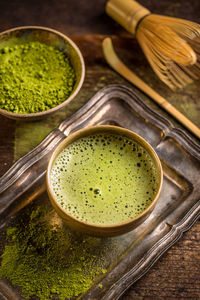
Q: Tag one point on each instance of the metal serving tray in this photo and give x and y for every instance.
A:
(176, 211)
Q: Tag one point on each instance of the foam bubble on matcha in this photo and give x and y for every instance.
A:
(104, 179)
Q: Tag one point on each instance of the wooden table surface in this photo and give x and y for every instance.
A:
(177, 273)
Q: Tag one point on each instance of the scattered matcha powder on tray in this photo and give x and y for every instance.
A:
(34, 77)
(49, 262)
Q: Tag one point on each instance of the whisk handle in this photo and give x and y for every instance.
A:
(127, 13)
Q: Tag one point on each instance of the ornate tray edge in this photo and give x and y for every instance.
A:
(154, 253)
(169, 130)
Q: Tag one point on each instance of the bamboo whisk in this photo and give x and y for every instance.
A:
(171, 45)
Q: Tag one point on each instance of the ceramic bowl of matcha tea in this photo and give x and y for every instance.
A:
(41, 71)
(104, 180)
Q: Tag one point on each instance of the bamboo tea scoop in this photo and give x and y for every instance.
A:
(113, 60)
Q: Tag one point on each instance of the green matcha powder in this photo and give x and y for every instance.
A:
(34, 77)
(48, 261)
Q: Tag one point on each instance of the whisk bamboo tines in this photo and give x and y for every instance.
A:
(171, 45)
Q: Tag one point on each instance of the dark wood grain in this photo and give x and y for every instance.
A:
(176, 275)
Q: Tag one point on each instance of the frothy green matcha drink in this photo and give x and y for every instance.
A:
(104, 179)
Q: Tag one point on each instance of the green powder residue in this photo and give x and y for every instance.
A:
(34, 77)
(104, 179)
(46, 260)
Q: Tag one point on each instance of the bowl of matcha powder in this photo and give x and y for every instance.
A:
(41, 71)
